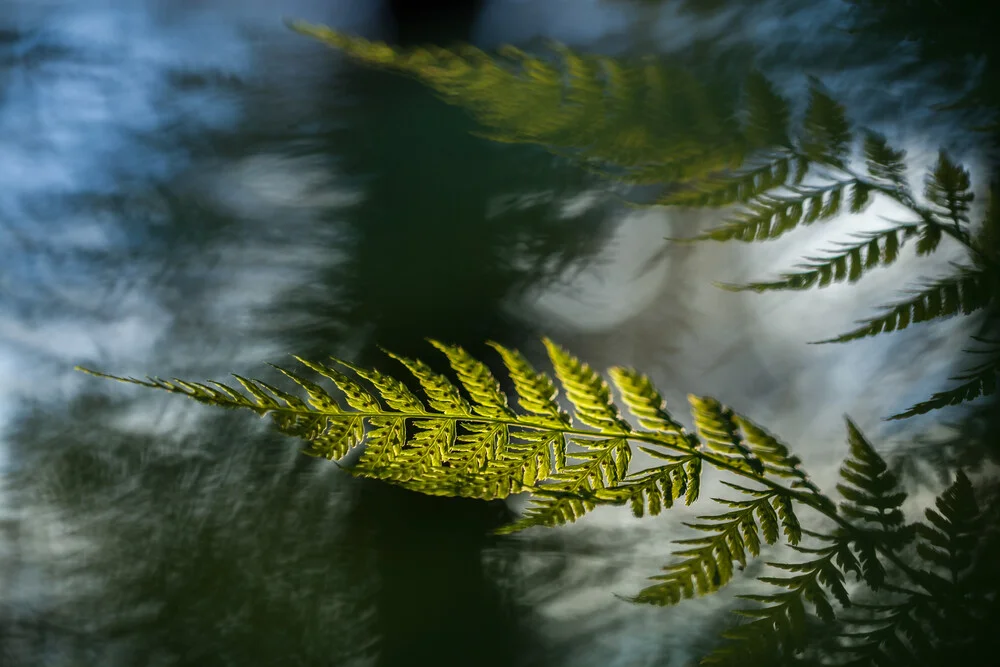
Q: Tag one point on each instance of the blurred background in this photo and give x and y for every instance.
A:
(190, 189)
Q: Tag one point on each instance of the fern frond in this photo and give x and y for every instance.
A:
(707, 565)
(826, 132)
(890, 635)
(482, 387)
(638, 121)
(574, 490)
(848, 263)
(535, 392)
(884, 162)
(920, 627)
(442, 395)
(654, 489)
(776, 458)
(979, 381)
(767, 113)
(646, 403)
(738, 186)
(768, 217)
(869, 487)
(948, 188)
(586, 390)
(770, 629)
(964, 292)
(718, 428)
(949, 539)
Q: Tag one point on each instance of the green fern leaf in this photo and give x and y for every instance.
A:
(638, 121)
(442, 395)
(769, 217)
(384, 444)
(870, 488)
(883, 162)
(873, 497)
(891, 635)
(767, 113)
(571, 492)
(849, 262)
(948, 188)
(646, 403)
(478, 381)
(826, 132)
(776, 458)
(731, 187)
(393, 392)
(707, 565)
(781, 625)
(950, 538)
(979, 381)
(965, 292)
(717, 426)
(930, 239)
(860, 197)
(586, 390)
(535, 391)
(651, 490)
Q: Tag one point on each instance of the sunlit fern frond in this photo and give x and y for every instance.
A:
(964, 292)
(655, 489)
(707, 563)
(849, 262)
(637, 119)
(718, 427)
(777, 459)
(464, 439)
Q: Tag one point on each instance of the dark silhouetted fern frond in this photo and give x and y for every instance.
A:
(928, 627)
(973, 383)
(707, 562)
(947, 189)
(849, 262)
(962, 293)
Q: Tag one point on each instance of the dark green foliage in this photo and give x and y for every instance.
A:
(884, 162)
(826, 135)
(948, 189)
(872, 494)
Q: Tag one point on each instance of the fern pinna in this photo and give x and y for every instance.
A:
(650, 123)
(770, 202)
(466, 439)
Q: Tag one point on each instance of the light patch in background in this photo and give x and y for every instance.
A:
(88, 96)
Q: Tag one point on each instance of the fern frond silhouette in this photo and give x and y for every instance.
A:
(464, 439)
